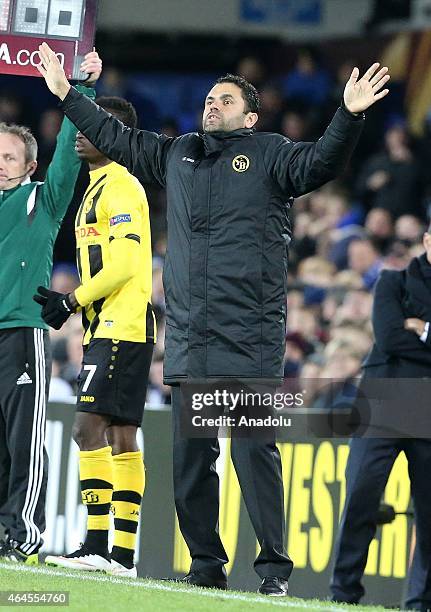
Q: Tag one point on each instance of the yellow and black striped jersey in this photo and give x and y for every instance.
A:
(113, 240)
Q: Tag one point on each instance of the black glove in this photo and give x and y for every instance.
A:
(56, 307)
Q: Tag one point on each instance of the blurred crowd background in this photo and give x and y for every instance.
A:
(343, 235)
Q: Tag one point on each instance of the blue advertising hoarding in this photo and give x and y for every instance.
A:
(292, 12)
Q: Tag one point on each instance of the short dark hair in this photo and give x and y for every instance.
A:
(120, 108)
(25, 135)
(249, 92)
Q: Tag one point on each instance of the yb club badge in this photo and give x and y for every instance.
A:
(240, 163)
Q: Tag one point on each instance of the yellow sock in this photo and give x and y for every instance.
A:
(96, 476)
(129, 485)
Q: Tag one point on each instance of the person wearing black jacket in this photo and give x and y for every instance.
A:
(402, 350)
(229, 190)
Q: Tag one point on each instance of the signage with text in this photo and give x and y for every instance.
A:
(67, 25)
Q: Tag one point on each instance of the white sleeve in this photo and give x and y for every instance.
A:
(424, 336)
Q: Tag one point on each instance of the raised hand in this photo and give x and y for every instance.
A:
(92, 65)
(54, 75)
(360, 95)
(52, 71)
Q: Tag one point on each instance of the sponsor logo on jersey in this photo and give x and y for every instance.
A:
(120, 219)
(86, 232)
(87, 398)
(109, 323)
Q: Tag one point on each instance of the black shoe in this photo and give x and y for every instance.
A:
(346, 600)
(273, 586)
(3, 546)
(10, 553)
(202, 580)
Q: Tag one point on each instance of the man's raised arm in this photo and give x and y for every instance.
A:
(57, 190)
(142, 153)
(301, 167)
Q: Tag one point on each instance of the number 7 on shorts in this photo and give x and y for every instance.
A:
(91, 372)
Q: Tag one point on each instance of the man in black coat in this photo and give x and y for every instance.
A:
(401, 351)
(228, 192)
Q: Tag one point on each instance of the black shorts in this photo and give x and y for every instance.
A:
(113, 379)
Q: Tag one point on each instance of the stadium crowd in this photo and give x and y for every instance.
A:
(342, 234)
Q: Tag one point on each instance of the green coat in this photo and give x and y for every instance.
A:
(30, 218)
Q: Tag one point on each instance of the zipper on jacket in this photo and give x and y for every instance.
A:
(206, 266)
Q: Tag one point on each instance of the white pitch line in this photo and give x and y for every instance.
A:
(156, 586)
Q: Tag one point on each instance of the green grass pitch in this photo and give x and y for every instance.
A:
(97, 592)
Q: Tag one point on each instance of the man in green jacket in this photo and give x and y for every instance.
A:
(30, 216)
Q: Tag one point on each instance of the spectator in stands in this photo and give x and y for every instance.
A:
(170, 127)
(294, 125)
(392, 179)
(348, 279)
(398, 255)
(342, 365)
(116, 83)
(72, 367)
(316, 272)
(297, 348)
(10, 108)
(65, 278)
(380, 228)
(355, 307)
(48, 128)
(305, 322)
(356, 334)
(310, 378)
(304, 243)
(253, 70)
(271, 109)
(59, 389)
(308, 83)
(365, 259)
(333, 300)
(409, 229)
(407, 235)
(342, 361)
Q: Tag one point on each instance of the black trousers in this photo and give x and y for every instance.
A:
(196, 489)
(25, 366)
(368, 467)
